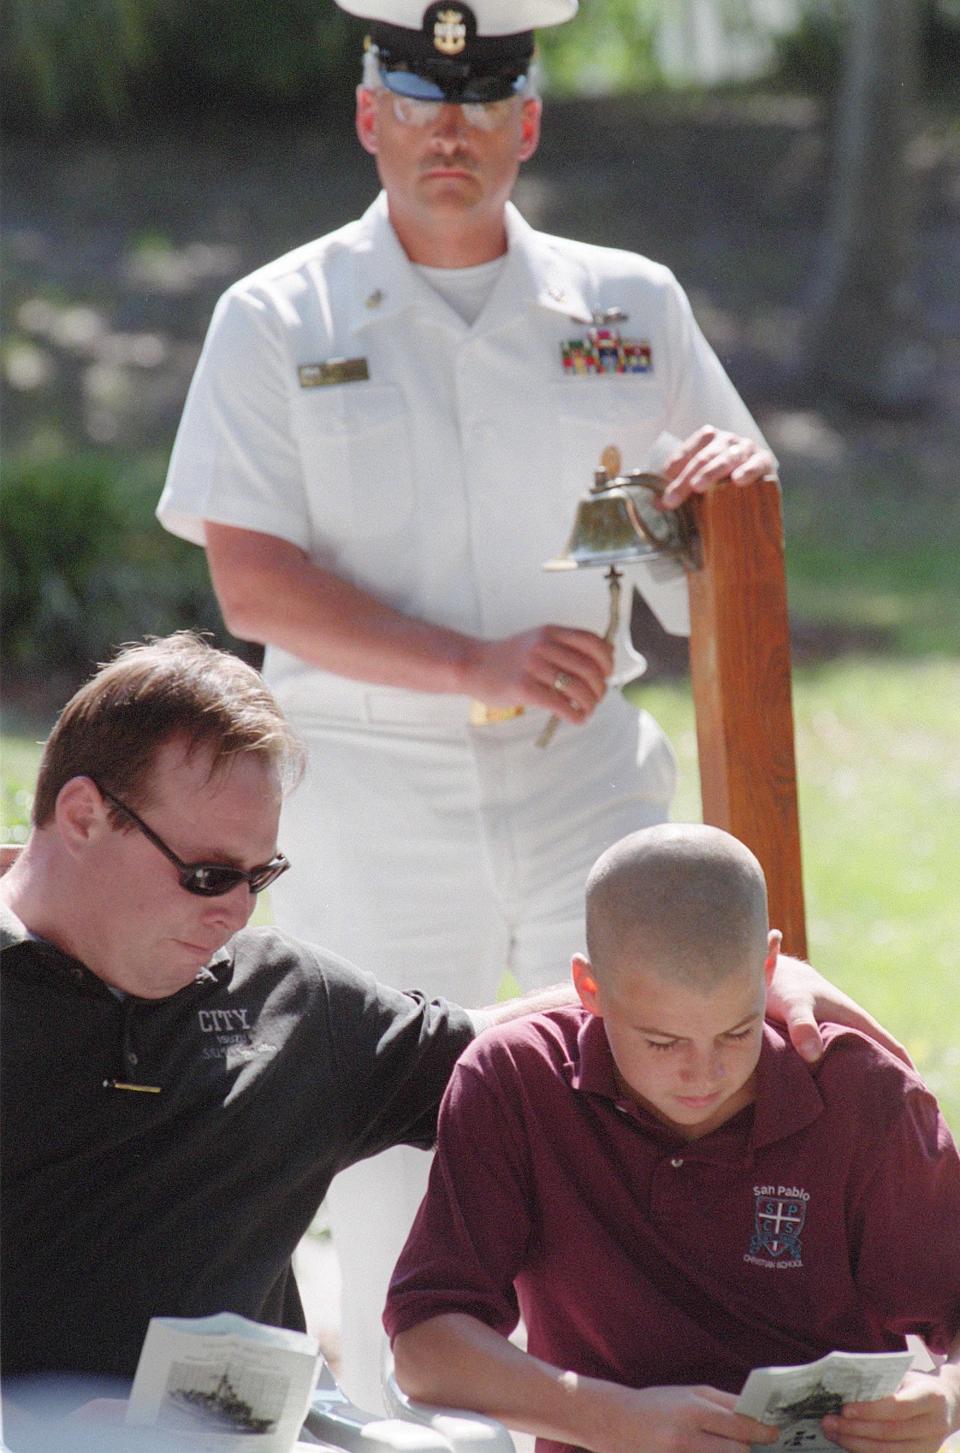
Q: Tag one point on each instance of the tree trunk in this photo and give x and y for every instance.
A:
(861, 339)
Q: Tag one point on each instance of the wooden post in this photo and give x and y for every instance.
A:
(740, 673)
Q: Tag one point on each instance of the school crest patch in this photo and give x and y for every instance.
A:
(778, 1221)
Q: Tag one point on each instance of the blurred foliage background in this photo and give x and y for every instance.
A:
(110, 63)
(105, 64)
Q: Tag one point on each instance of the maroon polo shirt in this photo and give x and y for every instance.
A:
(825, 1215)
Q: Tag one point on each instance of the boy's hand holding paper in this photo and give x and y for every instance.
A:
(917, 1418)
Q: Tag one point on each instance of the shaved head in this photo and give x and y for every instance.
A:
(685, 902)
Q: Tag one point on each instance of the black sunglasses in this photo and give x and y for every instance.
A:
(207, 880)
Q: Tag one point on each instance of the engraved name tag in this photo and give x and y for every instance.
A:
(335, 370)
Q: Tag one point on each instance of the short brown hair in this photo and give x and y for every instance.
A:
(176, 687)
(687, 901)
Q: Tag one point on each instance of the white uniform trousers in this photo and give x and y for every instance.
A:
(438, 856)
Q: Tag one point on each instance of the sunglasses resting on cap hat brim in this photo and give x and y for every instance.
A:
(461, 90)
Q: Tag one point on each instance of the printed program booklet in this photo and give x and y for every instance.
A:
(224, 1383)
(796, 1398)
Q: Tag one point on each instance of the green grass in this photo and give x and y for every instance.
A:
(879, 779)
(909, 596)
(878, 555)
(19, 756)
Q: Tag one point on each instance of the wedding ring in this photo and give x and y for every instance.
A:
(561, 681)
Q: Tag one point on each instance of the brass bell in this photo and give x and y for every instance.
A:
(618, 521)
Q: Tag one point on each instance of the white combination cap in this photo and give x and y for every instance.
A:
(456, 52)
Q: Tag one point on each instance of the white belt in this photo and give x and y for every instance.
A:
(340, 699)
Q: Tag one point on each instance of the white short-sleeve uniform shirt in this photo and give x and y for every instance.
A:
(441, 479)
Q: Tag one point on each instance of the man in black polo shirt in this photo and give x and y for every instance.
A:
(179, 1090)
(177, 1093)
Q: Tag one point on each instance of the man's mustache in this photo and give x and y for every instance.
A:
(459, 159)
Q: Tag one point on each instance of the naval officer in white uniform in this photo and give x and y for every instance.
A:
(385, 438)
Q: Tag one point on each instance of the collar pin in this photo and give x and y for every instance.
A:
(604, 316)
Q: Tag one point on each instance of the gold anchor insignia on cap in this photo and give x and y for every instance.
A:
(449, 32)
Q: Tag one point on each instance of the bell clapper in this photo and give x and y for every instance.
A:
(613, 578)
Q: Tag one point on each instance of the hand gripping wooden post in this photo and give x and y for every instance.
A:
(740, 673)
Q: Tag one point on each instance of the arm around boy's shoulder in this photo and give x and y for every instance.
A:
(517, 1073)
(548, 1032)
(377, 1059)
(529, 1051)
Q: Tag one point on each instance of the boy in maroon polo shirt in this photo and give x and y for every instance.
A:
(671, 1196)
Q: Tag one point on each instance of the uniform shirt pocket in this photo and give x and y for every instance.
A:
(596, 410)
(357, 460)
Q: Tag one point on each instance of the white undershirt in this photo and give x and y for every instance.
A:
(466, 289)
